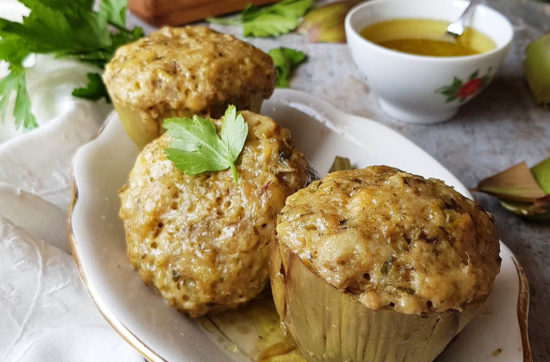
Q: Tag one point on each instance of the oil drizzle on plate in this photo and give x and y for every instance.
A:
(255, 330)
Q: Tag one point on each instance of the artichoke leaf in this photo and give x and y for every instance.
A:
(522, 191)
(541, 173)
(516, 183)
(536, 67)
(536, 211)
(329, 324)
(326, 23)
(340, 163)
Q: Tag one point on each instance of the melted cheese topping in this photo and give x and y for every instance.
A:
(393, 239)
(192, 68)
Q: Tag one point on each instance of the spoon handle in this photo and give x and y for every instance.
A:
(457, 27)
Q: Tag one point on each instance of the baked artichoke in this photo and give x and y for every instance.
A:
(380, 265)
(178, 72)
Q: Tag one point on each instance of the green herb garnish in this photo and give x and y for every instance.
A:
(285, 60)
(115, 10)
(197, 147)
(15, 82)
(94, 90)
(63, 28)
(280, 18)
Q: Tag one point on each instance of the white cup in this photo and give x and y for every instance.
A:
(425, 89)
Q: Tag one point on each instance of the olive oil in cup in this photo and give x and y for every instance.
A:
(418, 88)
(426, 37)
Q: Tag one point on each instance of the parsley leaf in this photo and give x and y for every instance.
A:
(233, 133)
(196, 146)
(70, 28)
(285, 60)
(13, 49)
(280, 18)
(15, 82)
(94, 90)
(276, 19)
(114, 11)
(63, 28)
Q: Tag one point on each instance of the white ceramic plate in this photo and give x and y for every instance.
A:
(141, 316)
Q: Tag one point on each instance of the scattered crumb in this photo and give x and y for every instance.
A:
(485, 310)
(496, 352)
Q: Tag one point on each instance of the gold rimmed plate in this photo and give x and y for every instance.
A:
(143, 319)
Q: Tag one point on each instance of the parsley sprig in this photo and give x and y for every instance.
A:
(15, 81)
(279, 18)
(62, 28)
(285, 60)
(197, 147)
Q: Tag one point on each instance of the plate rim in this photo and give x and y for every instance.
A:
(147, 352)
(522, 305)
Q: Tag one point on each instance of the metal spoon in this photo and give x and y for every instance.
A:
(456, 28)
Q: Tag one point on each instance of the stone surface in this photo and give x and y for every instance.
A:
(499, 128)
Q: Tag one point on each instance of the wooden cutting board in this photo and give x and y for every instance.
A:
(179, 12)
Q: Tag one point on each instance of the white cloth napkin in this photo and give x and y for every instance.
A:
(46, 313)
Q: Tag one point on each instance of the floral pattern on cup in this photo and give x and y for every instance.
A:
(462, 90)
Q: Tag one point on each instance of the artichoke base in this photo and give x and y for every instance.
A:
(331, 325)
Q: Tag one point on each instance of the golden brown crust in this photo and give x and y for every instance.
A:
(191, 68)
(393, 239)
(203, 240)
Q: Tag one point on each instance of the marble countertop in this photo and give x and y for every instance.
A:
(499, 128)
